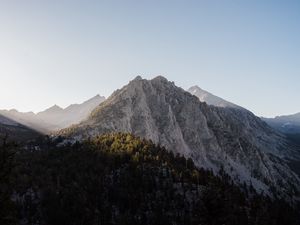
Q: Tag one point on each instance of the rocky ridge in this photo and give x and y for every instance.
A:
(216, 138)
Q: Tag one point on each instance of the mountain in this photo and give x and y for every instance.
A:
(55, 117)
(15, 131)
(27, 119)
(209, 98)
(289, 124)
(73, 114)
(230, 139)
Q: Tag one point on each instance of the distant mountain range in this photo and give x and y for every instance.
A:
(55, 117)
(289, 124)
(225, 136)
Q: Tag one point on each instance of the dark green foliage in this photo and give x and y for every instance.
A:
(120, 179)
(7, 207)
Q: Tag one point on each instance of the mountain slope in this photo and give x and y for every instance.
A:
(209, 98)
(15, 131)
(214, 137)
(55, 117)
(290, 126)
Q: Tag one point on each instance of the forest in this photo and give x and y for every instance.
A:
(121, 179)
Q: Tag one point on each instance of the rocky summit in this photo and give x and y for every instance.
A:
(228, 138)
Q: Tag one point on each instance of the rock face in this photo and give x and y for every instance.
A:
(210, 99)
(230, 138)
(55, 117)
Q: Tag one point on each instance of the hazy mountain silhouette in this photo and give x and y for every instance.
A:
(55, 117)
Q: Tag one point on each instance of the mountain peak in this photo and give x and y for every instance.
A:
(55, 108)
(210, 99)
(52, 110)
(157, 79)
(195, 87)
(160, 111)
(160, 79)
(197, 90)
(138, 78)
(97, 98)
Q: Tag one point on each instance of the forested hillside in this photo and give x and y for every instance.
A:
(121, 179)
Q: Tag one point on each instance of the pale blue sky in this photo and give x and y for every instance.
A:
(63, 52)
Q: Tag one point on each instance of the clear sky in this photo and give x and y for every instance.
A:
(63, 52)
